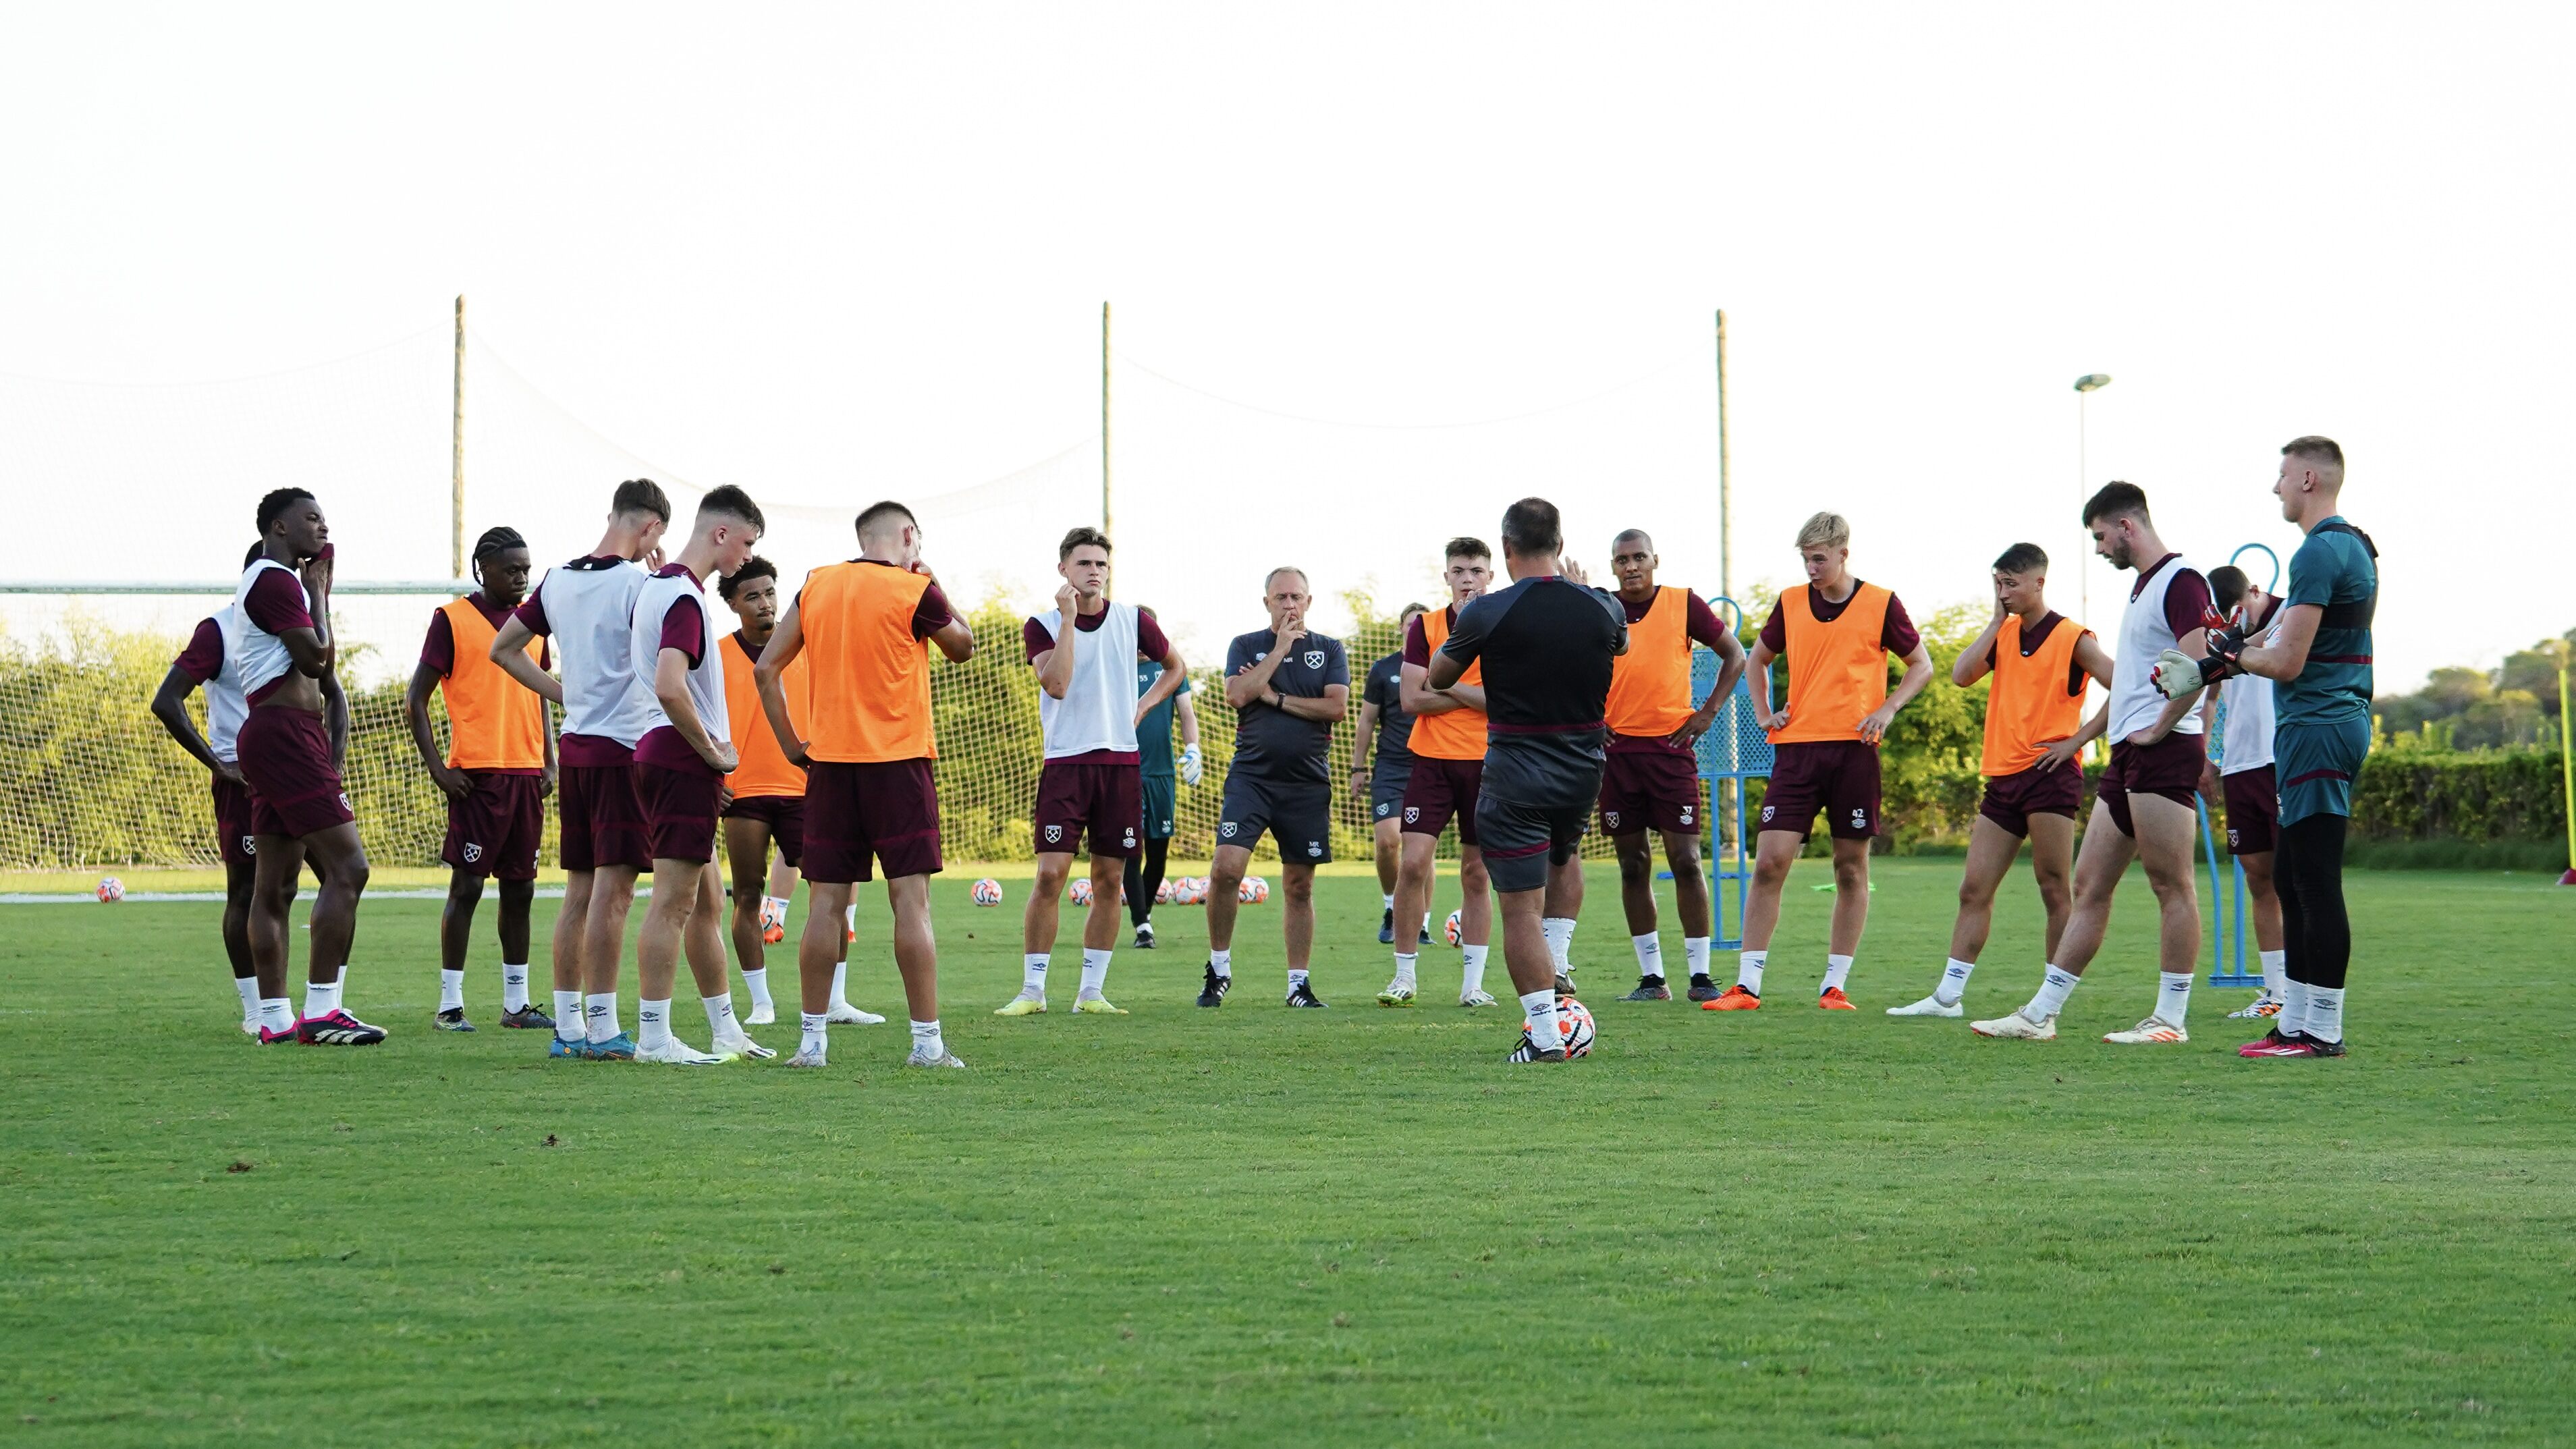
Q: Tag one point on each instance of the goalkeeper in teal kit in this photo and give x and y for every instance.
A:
(2318, 654)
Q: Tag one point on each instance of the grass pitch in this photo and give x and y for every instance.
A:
(1255, 1226)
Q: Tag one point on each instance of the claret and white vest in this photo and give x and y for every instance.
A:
(706, 682)
(1098, 711)
(255, 656)
(227, 703)
(591, 613)
(2135, 704)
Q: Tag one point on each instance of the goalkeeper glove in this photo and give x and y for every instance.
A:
(1191, 769)
(2177, 674)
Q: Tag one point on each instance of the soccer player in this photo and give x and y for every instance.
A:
(1650, 778)
(1288, 688)
(1384, 723)
(1155, 771)
(587, 607)
(1448, 748)
(1547, 643)
(1088, 704)
(2040, 661)
(2242, 780)
(497, 771)
(207, 662)
(2319, 655)
(1836, 633)
(2144, 805)
(680, 766)
(868, 625)
(282, 650)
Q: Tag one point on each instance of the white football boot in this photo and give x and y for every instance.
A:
(2017, 1027)
(2155, 1030)
(1928, 1006)
(677, 1053)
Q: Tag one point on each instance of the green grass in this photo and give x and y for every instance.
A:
(1253, 1227)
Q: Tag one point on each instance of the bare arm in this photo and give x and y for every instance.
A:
(1974, 662)
(768, 677)
(1336, 703)
(1444, 673)
(335, 717)
(1730, 668)
(170, 706)
(2095, 659)
(1363, 737)
(2195, 645)
(1175, 669)
(1758, 678)
(671, 687)
(1252, 682)
(1918, 673)
(1188, 715)
(546, 783)
(2287, 655)
(954, 639)
(510, 651)
(451, 782)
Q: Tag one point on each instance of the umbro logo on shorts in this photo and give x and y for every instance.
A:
(1128, 839)
(1686, 815)
(473, 852)
(1860, 819)
(1384, 810)
(1226, 830)
(1314, 658)
(1054, 833)
(1314, 847)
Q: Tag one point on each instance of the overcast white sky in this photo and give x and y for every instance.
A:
(846, 252)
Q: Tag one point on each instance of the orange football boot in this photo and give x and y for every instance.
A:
(1736, 998)
(1834, 1000)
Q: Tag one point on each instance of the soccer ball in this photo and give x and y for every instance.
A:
(1574, 1023)
(1082, 890)
(1253, 891)
(1163, 892)
(1454, 930)
(1191, 890)
(988, 892)
(110, 890)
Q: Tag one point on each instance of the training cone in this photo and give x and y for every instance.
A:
(2569, 878)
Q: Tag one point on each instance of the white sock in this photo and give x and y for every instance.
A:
(321, 1000)
(652, 1023)
(1033, 975)
(775, 906)
(276, 1013)
(1837, 971)
(1296, 978)
(248, 988)
(1695, 955)
(720, 1015)
(599, 1016)
(758, 981)
(926, 1041)
(2325, 1013)
(2276, 971)
(840, 984)
(814, 1039)
(1560, 940)
(1538, 1008)
(1390, 900)
(1650, 954)
(568, 1021)
(2054, 987)
(2294, 1009)
(1095, 971)
(850, 918)
(1222, 963)
(1404, 970)
(514, 987)
(1749, 974)
(451, 990)
(1474, 978)
(1954, 982)
(2173, 996)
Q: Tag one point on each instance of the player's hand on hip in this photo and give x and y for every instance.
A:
(454, 782)
(1692, 728)
(724, 799)
(799, 756)
(546, 783)
(1775, 722)
(2056, 753)
(2147, 736)
(1873, 725)
(230, 774)
(724, 758)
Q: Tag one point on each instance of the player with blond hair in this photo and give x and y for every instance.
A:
(1448, 747)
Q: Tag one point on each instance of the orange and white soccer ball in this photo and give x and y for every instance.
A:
(1082, 890)
(110, 890)
(1192, 890)
(1253, 891)
(1163, 892)
(1574, 1023)
(988, 892)
(1454, 930)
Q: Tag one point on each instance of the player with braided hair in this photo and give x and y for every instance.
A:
(497, 770)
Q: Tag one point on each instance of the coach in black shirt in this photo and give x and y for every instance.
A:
(1288, 687)
(1546, 643)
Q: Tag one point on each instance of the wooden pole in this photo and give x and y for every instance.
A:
(456, 458)
(2566, 761)
(1104, 417)
(1725, 494)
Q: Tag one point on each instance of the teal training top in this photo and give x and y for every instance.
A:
(2336, 570)
(1154, 732)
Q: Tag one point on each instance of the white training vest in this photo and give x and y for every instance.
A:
(2135, 704)
(1098, 711)
(591, 614)
(255, 656)
(2245, 717)
(706, 681)
(226, 705)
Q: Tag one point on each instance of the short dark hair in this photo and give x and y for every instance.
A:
(876, 513)
(2021, 558)
(277, 501)
(733, 503)
(2113, 500)
(493, 541)
(1638, 534)
(1530, 529)
(754, 567)
(2227, 586)
(640, 495)
(2316, 448)
(1464, 547)
(1077, 538)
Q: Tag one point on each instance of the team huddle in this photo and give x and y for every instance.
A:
(1522, 711)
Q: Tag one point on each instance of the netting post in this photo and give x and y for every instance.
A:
(456, 456)
(1104, 420)
(1725, 493)
(1734, 749)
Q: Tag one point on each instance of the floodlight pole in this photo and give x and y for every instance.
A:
(2566, 763)
(456, 457)
(1725, 495)
(1104, 418)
